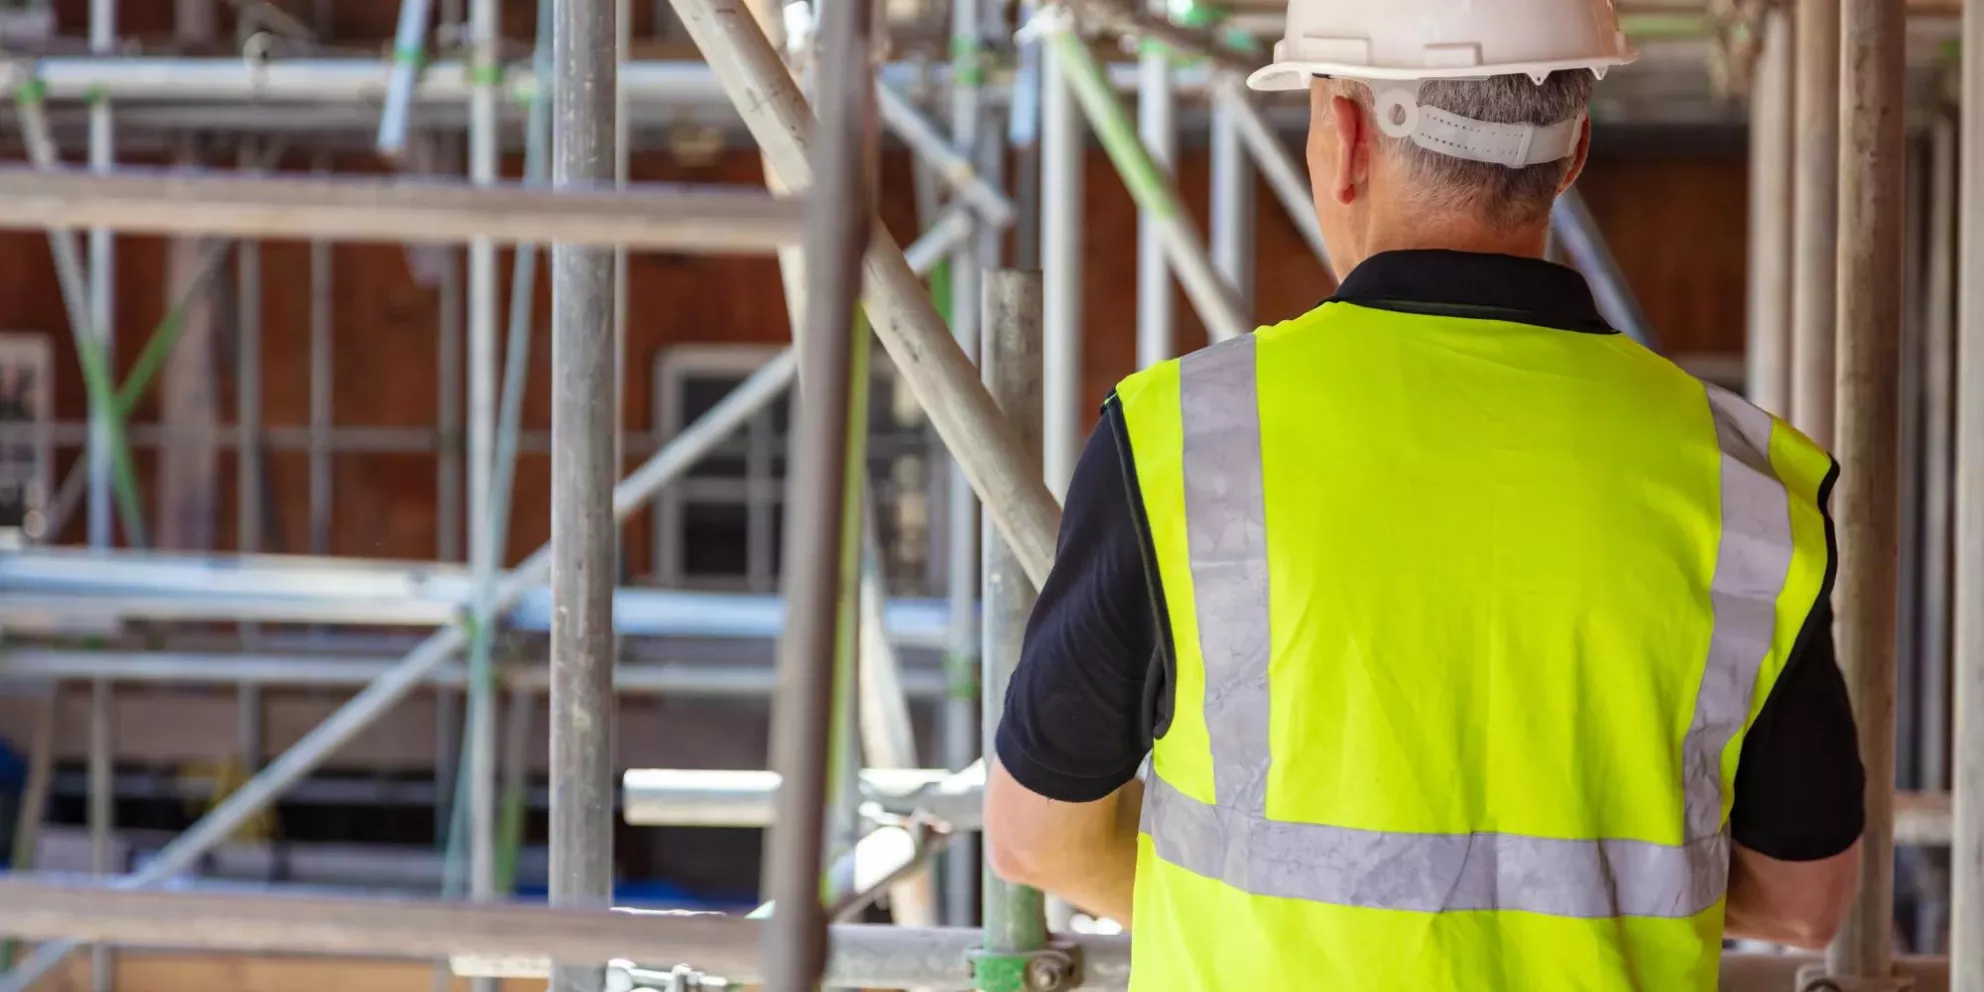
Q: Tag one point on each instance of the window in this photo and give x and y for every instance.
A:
(721, 525)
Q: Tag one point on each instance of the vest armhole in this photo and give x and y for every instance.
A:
(1163, 670)
(1823, 600)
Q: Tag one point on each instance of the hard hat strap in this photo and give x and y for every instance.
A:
(1514, 146)
(1395, 104)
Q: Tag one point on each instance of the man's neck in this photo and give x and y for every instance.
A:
(1427, 230)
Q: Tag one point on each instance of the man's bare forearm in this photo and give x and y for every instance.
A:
(1099, 873)
(1085, 853)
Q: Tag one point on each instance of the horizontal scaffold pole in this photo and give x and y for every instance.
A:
(653, 216)
(859, 955)
(872, 956)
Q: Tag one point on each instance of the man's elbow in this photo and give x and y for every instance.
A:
(1812, 933)
(1801, 904)
(1015, 860)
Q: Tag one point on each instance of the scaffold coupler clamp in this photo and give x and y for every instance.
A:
(1049, 969)
(1815, 978)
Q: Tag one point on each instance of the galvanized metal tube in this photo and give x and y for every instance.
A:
(1815, 224)
(1233, 207)
(103, 281)
(449, 479)
(248, 470)
(1288, 179)
(937, 372)
(693, 218)
(323, 374)
(1211, 296)
(102, 812)
(687, 447)
(1014, 914)
(408, 55)
(101, 322)
(1767, 350)
(1939, 387)
(92, 351)
(1872, 173)
(479, 750)
(1967, 852)
(1157, 332)
(1578, 234)
(1062, 150)
(951, 164)
(248, 385)
(584, 540)
(971, 136)
(865, 956)
(18, 665)
(839, 212)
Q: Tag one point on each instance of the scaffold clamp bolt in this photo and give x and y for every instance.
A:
(1049, 969)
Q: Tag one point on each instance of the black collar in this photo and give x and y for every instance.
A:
(1475, 284)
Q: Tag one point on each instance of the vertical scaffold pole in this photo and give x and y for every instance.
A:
(1768, 344)
(583, 473)
(1872, 174)
(1062, 150)
(839, 211)
(1015, 918)
(1939, 403)
(101, 322)
(1157, 332)
(322, 375)
(479, 756)
(1815, 227)
(103, 280)
(1967, 851)
(1233, 207)
(968, 264)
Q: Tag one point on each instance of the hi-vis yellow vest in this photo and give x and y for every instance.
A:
(1468, 620)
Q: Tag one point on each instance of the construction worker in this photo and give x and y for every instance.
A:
(1471, 644)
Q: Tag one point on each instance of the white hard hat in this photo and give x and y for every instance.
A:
(1442, 39)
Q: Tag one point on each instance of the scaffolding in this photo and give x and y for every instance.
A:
(999, 380)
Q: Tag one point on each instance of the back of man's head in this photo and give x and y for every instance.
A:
(1491, 192)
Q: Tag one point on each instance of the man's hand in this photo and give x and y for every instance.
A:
(1085, 853)
(1799, 903)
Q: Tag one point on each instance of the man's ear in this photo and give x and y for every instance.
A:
(1577, 157)
(1353, 160)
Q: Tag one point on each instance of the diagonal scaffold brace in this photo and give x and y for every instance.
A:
(942, 379)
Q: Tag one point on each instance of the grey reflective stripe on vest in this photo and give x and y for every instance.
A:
(1226, 524)
(1233, 841)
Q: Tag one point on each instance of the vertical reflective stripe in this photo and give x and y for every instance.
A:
(1226, 520)
(1752, 559)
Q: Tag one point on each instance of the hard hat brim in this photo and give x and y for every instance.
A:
(1294, 74)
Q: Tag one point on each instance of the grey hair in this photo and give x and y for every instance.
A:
(1494, 192)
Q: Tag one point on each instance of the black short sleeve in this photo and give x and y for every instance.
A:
(1800, 788)
(1074, 725)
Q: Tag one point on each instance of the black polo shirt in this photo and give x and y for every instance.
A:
(1089, 689)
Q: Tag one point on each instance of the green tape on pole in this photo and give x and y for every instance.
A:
(31, 91)
(940, 288)
(415, 57)
(1654, 27)
(1148, 184)
(485, 75)
(961, 675)
(93, 94)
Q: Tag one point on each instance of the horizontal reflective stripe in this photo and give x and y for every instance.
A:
(1434, 873)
